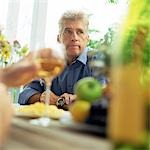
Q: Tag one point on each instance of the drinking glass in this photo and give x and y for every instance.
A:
(51, 61)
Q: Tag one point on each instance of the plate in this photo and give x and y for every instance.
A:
(26, 116)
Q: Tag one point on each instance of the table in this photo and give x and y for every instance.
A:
(25, 136)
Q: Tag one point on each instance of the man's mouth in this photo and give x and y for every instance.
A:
(74, 46)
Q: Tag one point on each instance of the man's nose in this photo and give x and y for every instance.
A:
(74, 36)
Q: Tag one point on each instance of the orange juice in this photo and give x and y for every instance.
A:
(130, 86)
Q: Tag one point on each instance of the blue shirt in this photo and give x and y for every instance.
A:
(64, 83)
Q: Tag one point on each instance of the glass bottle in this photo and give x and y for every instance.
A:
(130, 77)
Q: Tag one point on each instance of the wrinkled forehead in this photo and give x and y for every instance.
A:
(74, 24)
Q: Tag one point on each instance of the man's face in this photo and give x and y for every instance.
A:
(74, 37)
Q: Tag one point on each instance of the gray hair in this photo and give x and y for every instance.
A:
(73, 15)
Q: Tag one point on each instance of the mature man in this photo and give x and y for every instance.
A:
(73, 34)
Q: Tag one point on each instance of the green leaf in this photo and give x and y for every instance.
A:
(113, 1)
(24, 50)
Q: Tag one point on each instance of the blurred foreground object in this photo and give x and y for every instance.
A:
(26, 69)
(128, 113)
(23, 71)
(15, 75)
(5, 114)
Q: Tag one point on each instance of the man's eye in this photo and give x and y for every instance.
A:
(67, 31)
(80, 32)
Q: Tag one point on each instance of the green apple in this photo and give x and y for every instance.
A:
(88, 89)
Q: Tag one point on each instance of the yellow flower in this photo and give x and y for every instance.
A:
(10, 53)
(6, 51)
(2, 38)
(24, 50)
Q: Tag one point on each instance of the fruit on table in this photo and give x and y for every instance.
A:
(88, 89)
(38, 110)
(80, 110)
(98, 113)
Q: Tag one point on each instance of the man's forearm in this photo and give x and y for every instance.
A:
(53, 98)
(35, 98)
(41, 97)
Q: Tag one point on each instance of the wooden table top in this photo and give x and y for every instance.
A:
(57, 136)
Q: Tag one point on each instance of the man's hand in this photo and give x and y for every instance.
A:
(69, 98)
(20, 73)
(53, 98)
(25, 70)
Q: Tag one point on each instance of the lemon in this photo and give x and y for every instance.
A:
(80, 110)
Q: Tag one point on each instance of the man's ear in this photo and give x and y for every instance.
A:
(58, 38)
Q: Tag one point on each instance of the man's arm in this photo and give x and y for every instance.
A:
(34, 98)
(53, 98)
(68, 98)
(31, 93)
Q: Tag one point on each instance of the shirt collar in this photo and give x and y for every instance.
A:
(83, 57)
